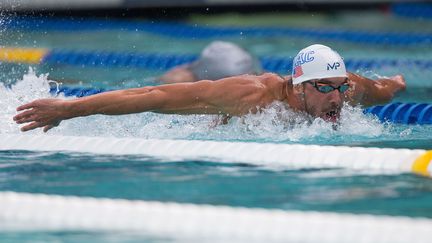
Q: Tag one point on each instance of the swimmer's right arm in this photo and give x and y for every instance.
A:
(233, 96)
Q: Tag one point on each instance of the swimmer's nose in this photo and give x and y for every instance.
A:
(335, 98)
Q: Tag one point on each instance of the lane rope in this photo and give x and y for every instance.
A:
(269, 155)
(22, 55)
(202, 223)
(163, 61)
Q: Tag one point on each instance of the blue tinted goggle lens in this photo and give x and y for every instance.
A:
(329, 88)
(343, 88)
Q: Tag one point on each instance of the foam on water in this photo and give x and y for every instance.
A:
(276, 123)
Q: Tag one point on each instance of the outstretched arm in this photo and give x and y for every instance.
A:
(368, 92)
(234, 96)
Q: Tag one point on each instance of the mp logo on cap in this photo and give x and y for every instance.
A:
(333, 66)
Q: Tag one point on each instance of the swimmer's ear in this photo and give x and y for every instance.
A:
(290, 85)
(298, 88)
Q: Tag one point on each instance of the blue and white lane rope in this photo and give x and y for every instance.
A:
(276, 156)
(404, 113)
(202, 223)
(161, 61)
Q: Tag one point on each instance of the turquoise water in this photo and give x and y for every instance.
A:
(131, 177)
(201, 182)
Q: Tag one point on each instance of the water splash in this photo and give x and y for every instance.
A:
(29, 88)
(276, 123)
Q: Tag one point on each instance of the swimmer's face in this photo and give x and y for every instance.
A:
(324, 97)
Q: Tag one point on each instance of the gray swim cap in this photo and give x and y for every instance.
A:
(223, 59)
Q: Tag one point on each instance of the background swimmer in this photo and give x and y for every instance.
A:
(220, 59)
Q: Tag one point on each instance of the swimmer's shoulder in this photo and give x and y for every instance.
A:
(266, 82)
(274, 83)
(271, 79)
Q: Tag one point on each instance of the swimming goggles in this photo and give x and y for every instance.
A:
(329, 88)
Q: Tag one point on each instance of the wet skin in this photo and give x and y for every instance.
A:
(233, 96)
(324, 105)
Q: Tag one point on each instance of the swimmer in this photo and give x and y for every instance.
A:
(319, 85)
(218, 60)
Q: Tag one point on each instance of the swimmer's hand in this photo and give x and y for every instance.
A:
(388, 87)
(396, 83)
(369, 92)
(46, 113)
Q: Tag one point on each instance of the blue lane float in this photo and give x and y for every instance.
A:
(413, 10)
(396, 112)
(184, 30)
(405, 113)
(161, 61)
(113, 59)
(76, 91)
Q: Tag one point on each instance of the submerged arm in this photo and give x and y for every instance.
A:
(368, 92)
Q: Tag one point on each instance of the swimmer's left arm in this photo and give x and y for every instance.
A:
(368, 92)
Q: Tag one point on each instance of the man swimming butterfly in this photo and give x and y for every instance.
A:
(319, 85)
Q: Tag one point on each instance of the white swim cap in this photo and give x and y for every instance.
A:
(223, 59)
(316, 62)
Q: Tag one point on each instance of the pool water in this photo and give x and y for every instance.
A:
(146, 178)
(132, 177)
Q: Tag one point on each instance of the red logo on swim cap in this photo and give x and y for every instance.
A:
(298, 71)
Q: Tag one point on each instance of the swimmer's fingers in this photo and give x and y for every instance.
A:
(48, 127)
(27, 106)
(36, 124)
(401, 81)
(398, 83)
(26, 119)
(26, 115)
(31, 126)
(23, 117)
(46, 113)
